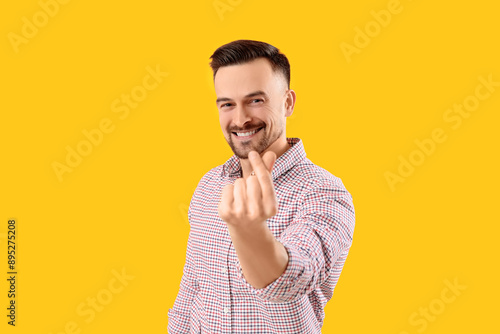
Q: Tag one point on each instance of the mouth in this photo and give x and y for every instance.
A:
(243, 135)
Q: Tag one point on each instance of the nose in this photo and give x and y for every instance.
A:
(240, 116)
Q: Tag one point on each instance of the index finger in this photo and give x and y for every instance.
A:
(262, 172)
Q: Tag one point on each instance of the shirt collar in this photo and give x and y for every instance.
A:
(287, 160)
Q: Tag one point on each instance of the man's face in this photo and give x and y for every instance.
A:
(253, 102)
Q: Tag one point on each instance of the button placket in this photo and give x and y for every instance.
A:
(226, 324)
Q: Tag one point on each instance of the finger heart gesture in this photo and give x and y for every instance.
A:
(251, 201)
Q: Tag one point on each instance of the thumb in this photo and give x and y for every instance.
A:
(269, 158)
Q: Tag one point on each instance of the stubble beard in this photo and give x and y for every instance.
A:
(242, 148)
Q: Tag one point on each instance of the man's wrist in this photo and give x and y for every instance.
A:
(262, 258)
(249, 232)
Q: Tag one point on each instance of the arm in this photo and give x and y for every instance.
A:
(315, 240)
(245, 207)
(263, 258)
(320, 236)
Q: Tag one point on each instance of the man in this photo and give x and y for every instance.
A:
(269, 230)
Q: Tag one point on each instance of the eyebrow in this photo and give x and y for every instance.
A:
(256, 93)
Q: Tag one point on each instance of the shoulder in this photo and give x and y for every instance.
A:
(205, 189)
(313, 177)
(214, 173)
(210, 178)
(325, 197)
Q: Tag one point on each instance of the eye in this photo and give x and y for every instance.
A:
(257, 100)
(225, 105)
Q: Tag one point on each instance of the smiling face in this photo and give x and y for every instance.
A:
(253, 103)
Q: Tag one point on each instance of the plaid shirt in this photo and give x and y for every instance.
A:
(315, 223)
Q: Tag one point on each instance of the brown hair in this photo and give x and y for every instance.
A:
(244, 50)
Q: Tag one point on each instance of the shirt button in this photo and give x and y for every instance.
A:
(224, 270)
(226, 310)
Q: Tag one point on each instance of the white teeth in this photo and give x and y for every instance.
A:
(244, 134)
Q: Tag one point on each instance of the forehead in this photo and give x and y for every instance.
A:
(235, 80)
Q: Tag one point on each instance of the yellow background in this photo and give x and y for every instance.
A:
(125, 204)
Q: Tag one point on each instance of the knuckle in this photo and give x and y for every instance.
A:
(253, 215)
(272, 210)
(241, 212)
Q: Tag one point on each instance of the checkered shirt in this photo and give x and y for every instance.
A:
(315, 223)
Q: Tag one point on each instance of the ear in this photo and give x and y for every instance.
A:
(290, 98)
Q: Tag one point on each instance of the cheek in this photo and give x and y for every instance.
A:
(224, 121)
(267, 115)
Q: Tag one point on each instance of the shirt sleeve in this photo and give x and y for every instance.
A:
(179, 314)
(321, 232)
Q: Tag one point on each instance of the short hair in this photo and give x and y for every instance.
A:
(244, 50)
